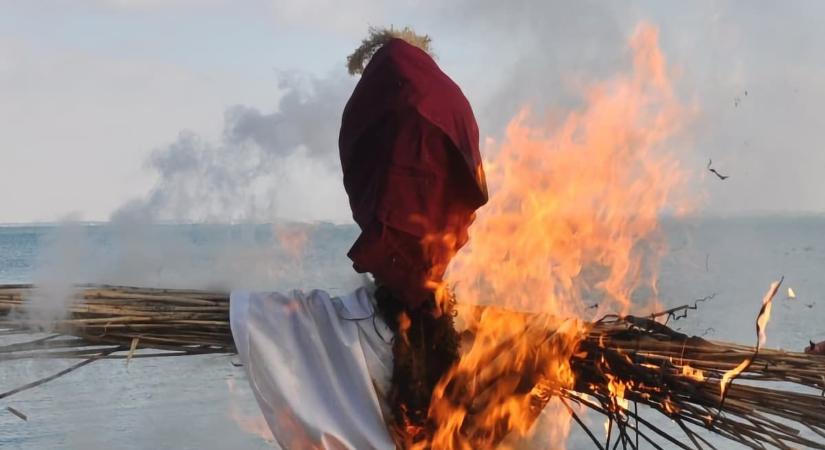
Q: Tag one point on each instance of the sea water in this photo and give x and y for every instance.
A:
(193, 402)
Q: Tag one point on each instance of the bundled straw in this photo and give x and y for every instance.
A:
(774, 395)
(682, 377)
(108, 317)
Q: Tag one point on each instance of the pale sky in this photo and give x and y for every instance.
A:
(223, 110)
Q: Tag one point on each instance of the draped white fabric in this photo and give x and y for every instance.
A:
(316, 365)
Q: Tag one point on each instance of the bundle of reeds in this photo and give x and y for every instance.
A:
(102, 318)
(753, 396)
(691, 381)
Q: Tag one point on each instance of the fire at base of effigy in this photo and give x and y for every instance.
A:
(546, 365)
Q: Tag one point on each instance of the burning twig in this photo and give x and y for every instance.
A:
(712, 170)
(761, 323)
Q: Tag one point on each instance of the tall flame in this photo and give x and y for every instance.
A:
(573, 206)
(572, 220)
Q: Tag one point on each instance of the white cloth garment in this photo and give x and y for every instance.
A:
(316, 365)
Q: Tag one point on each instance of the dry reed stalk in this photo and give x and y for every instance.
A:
(776, 395)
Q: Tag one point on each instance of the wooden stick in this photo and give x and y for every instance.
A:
(59, 374)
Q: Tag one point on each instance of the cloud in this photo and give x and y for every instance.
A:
(77, 126)
(327, 16)
(542, 54)
(350, 17)
(144, 5)
(504, 55)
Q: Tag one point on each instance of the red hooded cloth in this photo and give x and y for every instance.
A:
(412, 168)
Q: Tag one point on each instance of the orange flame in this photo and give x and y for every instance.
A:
(617, 388)
(765, 313)
(574, 206)
(572, 220)
(723, 385)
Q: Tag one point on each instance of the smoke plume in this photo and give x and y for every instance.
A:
(267, 165)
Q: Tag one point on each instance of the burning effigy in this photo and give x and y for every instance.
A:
(548, 316)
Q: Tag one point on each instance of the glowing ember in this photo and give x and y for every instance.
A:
(669, 407)
(791, 293)
(572, 220)
(690, 372)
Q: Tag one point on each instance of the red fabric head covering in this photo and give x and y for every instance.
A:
(409, 153)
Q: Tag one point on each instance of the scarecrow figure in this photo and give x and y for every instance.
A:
(358, 371)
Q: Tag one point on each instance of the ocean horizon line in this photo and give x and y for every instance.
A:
(282, 222)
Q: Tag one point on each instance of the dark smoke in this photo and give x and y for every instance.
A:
(260, 154)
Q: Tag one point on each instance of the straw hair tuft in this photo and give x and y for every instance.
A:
(377, 38)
